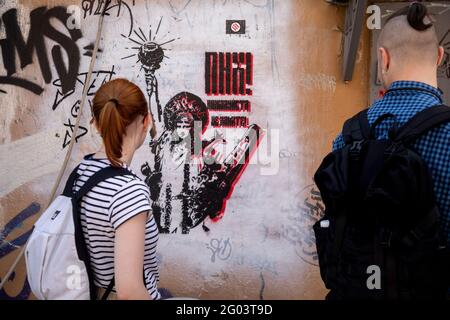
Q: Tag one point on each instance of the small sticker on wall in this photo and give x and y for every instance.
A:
(235, 27)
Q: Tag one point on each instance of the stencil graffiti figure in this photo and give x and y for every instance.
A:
(191, 180)
(150, 54)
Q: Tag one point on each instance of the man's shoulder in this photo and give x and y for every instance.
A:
(442, 132)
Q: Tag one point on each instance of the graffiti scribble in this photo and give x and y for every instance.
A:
(97, 7)
(8, 246)
(220, 249)
(302, 217)
(98, 78)
(40, 30)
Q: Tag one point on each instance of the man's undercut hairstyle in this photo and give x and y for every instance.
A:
(409, 34)
(415, 13)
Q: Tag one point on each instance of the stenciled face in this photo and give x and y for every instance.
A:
(184, 127)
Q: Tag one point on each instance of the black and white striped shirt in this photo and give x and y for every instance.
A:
(104, 209)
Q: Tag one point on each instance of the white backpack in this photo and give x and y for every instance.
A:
(58, 265)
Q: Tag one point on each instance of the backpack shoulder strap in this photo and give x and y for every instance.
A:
(422, 122)
(68, 189)
(100, 176)
(356, 128)
(82, 250)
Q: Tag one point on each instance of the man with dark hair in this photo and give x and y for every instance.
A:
(408, 58)
(386, 185)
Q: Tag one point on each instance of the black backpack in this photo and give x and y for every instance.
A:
(380, 237)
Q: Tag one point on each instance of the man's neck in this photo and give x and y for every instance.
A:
(423, 76)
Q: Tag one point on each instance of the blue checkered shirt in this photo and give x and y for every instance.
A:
(433, 147)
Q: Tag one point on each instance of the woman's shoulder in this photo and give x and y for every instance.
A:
(129, 183)
(89, 165)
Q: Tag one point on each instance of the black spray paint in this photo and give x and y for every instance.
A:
(98, 78)
(40, 29)
(109, 8)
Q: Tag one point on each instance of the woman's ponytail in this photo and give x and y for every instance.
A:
(115, 106)
(112, 129)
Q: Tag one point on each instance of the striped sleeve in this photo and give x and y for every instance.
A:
(131, 199)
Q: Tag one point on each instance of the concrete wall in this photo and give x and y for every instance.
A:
(263, 246)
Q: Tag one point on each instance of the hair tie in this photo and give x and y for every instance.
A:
(116, 102)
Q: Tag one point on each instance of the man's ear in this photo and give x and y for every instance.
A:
(385, 59)
(441, 53)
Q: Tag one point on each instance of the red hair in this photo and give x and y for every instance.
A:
(115, 106)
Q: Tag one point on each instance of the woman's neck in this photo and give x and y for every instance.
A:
(127, 154)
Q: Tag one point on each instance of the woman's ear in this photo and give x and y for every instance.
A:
(147, 121)
(94, 122)
(151, 124)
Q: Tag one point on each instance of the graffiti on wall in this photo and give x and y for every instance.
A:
(189, 193)
(150, 53)
(235, 26)
(40, 30)
(191, 179)
(302, 216)
(109, 8)
(8, 246)
(444, 68)
(220, 249)
(189, 185)
(98, 78)
(226, 74)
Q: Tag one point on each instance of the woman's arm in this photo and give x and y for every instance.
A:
(129, 259)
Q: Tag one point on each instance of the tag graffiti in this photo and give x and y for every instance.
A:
(40, 30)
(8, 246)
